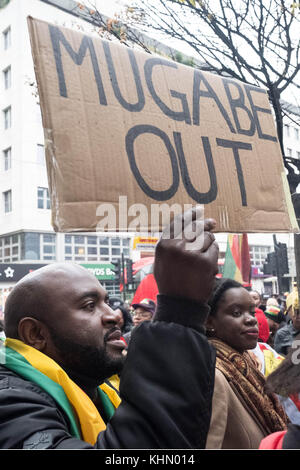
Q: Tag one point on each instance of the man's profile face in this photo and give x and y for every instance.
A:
(85, 337)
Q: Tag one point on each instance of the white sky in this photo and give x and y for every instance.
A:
(107, 7)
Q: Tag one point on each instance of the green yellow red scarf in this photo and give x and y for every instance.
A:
(84, 418)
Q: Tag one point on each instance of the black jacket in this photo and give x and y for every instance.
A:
(166, 390)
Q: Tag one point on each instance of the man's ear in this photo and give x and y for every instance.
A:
(33, 332)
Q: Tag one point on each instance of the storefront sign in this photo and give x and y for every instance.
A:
(14, 272)
(102, 272)
(144, 243)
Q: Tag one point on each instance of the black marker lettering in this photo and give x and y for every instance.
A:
(57, 37)
(255, 109)
(131, 136)
(141, 99)
(211, 194)
(235, 146)
(209, 93)
(239, 102)
(183, 115)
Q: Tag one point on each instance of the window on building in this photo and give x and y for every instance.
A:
(30, 246)
(48, 246)
(289, 152)
(7, 38)
(79, 239)
(43, 199)
(7, 201)
(40, 155)
(90, 248)
(258, 254)
(7, 78)
(7, 159)
(92, 240)
(9, 249)
(296, 130)
(287, 130)
(7, 118)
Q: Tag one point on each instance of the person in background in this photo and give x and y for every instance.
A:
(256, 297)
(124, 320)
(274, 318)
(286, 335)
(263, 326)
(242, 413)
(285, 382)
(266, 357)
(143, 311)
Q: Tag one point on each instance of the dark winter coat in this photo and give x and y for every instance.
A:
(166, 390)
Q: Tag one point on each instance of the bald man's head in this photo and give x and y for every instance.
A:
(31, 295)
(62, 311)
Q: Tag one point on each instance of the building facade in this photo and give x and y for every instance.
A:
(26, 234)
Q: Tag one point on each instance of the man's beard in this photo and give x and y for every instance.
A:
(90, 362)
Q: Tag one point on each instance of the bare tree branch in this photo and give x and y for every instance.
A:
(255, 41)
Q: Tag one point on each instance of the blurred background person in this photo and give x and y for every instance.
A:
(124, 320)
(286, 335)
(274, 318)
(263, 325)
(143, 311)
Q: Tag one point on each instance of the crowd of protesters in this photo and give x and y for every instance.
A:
(205, 365)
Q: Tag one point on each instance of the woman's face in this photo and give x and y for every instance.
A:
(235, 322)
(256, 297)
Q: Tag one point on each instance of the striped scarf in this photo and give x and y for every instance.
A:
(84, 419)
(248, 383)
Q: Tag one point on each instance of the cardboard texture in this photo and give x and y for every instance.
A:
(119, 122)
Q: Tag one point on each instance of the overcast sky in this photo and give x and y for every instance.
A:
(107, 7)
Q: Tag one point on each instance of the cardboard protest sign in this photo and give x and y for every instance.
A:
(140, 134)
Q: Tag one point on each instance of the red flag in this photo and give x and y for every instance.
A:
(147, 289)
(245, 260)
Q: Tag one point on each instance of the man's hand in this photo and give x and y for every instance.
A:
(186, 257)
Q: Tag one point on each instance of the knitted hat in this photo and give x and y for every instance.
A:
(273, 313)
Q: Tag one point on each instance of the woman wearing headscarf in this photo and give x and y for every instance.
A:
(242, 412)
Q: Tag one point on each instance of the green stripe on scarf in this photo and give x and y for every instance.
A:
(15, 362)
(107, 404)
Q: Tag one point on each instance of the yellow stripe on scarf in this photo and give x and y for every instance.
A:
(89, 418)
